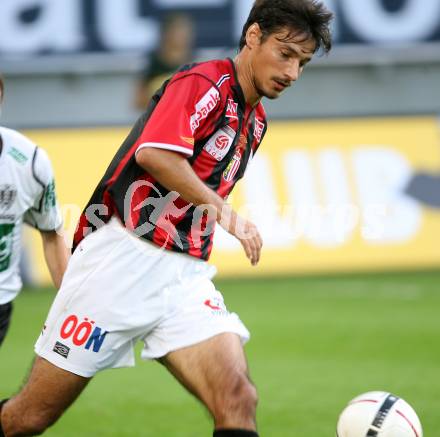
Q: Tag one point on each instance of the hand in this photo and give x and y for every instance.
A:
(245, 232)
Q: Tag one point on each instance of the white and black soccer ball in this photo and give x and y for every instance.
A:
(378, 414)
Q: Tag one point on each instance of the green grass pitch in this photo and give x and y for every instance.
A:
(316, 343)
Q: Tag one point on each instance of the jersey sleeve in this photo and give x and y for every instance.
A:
(45, 214)
(184, 110)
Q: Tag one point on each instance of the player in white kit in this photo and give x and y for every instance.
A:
(27, 195)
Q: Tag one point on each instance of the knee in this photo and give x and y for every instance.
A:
(38, 422)
(29, 421)
(238, 396)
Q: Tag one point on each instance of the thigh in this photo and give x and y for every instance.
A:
(111, 295)
(206, 368)
(196, 313)
(48, 392)
(51, 386)
(5, 318)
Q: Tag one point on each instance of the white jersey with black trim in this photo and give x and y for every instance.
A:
(27, 195)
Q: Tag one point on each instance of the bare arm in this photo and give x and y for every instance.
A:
(173, 171)
(56, 254)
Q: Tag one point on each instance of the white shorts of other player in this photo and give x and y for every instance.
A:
(119, 289)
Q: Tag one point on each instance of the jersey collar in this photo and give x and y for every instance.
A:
(236, 86)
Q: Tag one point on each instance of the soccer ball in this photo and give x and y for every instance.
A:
(378, 414)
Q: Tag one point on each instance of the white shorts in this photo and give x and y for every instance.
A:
(119, 289)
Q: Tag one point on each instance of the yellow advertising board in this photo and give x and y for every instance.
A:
(327, 196)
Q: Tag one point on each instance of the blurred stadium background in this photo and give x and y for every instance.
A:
(346, 191)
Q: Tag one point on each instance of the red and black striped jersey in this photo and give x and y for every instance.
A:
(201, 113)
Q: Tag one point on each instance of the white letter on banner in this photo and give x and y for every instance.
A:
(120, 27)
(321, 197)
(381, 177)
(415, 21)
(57, 26)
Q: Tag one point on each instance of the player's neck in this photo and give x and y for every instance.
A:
(245, 79)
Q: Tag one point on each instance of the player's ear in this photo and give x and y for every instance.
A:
(253, 36)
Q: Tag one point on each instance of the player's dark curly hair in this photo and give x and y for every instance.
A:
(308, 17)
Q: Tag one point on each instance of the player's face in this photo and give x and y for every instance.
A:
(279, 60)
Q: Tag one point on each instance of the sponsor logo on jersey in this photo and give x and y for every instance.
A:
(17, 155)
(231, 110)
(217, 306)
(61, 349)
(219, 144)
(258, 130)
(188, 140)
(8, 194)
(206, 104)
(232, 168)
(6, 240)
(83, 333)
